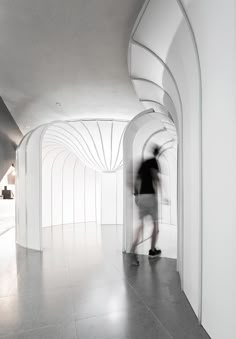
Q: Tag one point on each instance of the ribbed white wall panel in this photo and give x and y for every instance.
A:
(62, 176)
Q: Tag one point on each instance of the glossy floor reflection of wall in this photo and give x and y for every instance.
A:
(82, 286)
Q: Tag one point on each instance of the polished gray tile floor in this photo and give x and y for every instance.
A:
(82, 286)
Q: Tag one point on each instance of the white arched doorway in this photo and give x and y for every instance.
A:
(164, 67)
(144, 130)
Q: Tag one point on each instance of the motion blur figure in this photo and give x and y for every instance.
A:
(145, 190)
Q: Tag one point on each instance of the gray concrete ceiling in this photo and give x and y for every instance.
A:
(66, 59)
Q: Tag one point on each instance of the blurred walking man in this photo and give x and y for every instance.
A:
(145, 191)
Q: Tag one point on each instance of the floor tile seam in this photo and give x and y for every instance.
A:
(5, 231)
(52, 325)
(121, 279)
(116, 268)
(127, 280)
(47, 291)
(101, 315)
(35, 325)
(150, 310)
(70, 286)
(98, 287)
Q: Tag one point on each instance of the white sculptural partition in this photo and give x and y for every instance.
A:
(21, 232)
(28, 188)
(164, 67)
(68, 172)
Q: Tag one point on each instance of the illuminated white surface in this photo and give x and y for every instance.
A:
(97, 143)
(168, 45)
(69, 172)
(164, 68)
(219, 189)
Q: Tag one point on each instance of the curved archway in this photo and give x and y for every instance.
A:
(167, 72)
(145, 129)
(64, 171)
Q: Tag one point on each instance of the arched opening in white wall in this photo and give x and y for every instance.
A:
(69, 172)
(144, 131)
(164, 67)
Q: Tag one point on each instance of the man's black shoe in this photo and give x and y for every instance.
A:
(154, 253)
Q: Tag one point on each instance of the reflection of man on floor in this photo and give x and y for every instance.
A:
(145, 191)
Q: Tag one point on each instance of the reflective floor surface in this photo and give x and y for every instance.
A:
(6, 222)
(82, 286)
(167, 240)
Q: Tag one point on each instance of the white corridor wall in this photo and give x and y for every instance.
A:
(214, 25)
(182, 56)
(164, 69)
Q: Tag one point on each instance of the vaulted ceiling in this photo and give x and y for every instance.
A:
(66, 59)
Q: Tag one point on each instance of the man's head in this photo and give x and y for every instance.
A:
(155, 150)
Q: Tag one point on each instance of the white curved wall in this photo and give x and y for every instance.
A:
(214, 27)
(164, 69)
(20, 196)
(68, 189)
(182, 56)
(69, 172)
(28, 191)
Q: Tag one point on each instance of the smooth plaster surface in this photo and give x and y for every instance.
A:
(66, 59)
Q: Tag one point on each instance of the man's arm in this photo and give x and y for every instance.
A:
(155, 179)
(137, 185)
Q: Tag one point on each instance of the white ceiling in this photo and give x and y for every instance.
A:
(66, 59)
